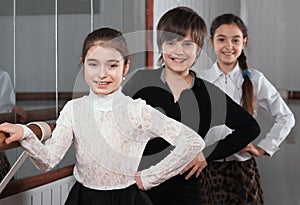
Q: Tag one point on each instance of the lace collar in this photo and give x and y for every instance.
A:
(106, 102)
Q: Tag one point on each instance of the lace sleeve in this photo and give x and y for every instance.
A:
(47, 156)
(186, 141)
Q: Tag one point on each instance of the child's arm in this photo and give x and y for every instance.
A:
(44, 156)
(14, 132)
(186, 141)
(269, 99)
(226, 111)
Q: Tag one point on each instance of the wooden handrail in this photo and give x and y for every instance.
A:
(48, 95)
(32, 115)
(31, 182)
(34, 128)
(21, 185)
(293, 95)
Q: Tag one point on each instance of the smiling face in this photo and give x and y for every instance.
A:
(228, 43)
(179, 55)
(104, 69)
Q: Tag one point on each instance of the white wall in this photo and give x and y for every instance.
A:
(280, 174)
(273, 48)
(274, 40)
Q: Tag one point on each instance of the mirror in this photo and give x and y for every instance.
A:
(41, 46)
(40, 49)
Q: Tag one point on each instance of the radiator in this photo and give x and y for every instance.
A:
(54, 193)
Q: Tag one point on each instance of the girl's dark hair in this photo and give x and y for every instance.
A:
(106, 37)
(178, 23)
(247, 99)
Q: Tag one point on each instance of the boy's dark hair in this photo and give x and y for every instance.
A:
(178, 23)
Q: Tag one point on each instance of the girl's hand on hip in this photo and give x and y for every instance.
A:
(253, 150)
(138, 181)
(198, 164)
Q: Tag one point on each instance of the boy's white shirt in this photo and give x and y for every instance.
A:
(266, 97)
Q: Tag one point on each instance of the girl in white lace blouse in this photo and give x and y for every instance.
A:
(109, 131)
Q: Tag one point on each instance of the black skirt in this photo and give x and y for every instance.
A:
(177, 191)
(81, 195)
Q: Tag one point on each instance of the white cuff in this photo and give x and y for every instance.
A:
(46, 130)
(269, 148)
(145, 181)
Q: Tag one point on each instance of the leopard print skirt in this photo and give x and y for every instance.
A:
(231, 183)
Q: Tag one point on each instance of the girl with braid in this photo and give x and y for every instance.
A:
(236, 178)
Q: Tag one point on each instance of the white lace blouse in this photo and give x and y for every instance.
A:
(110, 133)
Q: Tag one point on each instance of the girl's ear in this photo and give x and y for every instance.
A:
(82, 65)
(126, 68)
(211, 42)
(245, 40)
(199, 49)
(81, 61)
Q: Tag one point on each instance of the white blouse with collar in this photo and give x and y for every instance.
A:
(110, 133)
(266, 97)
